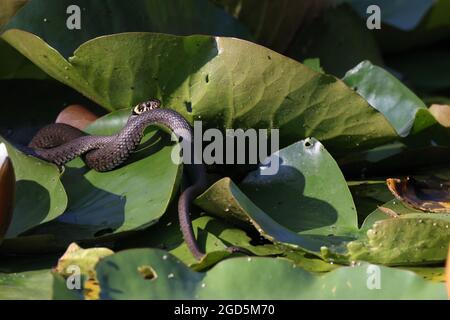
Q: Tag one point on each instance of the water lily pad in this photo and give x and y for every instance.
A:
(406, 112)
(226, 200)
(431, 273)
(255, 277)
(40, 196)
(410, 239)
(380, 214)
(300, 214)
(29, 285)
(208, 78)
(26, 278)
(308, 194)
(213, 235)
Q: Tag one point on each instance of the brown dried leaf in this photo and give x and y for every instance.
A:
(429, 195)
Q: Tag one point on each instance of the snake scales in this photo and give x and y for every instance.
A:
(59, 143)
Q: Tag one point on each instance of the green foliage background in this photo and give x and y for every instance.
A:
(351, 105)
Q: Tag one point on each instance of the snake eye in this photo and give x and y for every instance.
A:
(138, 109)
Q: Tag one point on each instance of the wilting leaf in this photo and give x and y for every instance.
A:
(84, 259)
(431, 194)
(82, 262)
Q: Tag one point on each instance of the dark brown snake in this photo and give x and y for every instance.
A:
(59, 143)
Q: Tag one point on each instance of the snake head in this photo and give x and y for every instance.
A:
(146, 106)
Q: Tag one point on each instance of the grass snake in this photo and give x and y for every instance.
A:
(59, 143)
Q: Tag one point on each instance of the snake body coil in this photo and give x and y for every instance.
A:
(60, 143)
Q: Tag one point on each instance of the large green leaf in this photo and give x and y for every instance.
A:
(226, 200)
(290, 207)
(410, 239)
(377, 214)
(131, 197)
(49, 19)
(40, 195)
(213, 77)
(256, 278)
(213, 235)
(29, 285)
(299, 195)
(406, 112)
(398, 241)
